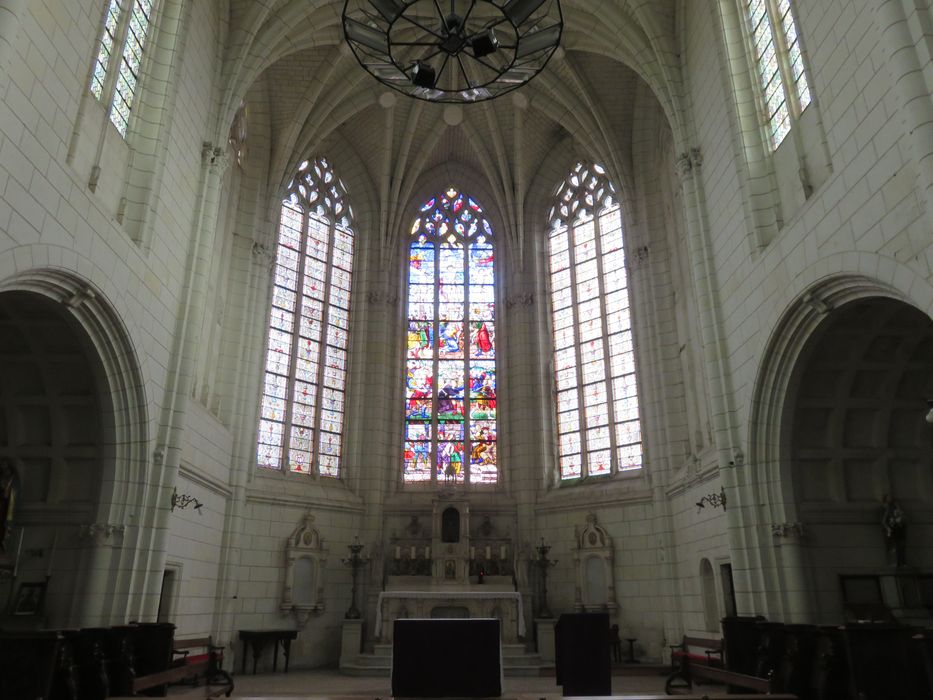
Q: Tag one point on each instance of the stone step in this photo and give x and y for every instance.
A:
(516, 661)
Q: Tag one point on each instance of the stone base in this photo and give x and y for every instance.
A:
(351, 642)
(544, 628)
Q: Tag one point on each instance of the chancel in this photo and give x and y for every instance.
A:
(322, 316)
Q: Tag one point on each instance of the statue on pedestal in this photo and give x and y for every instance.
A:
(9, 490)
(895, 529)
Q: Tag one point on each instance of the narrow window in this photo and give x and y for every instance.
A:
(598, 426)
(450, 385)
(306, 357)
(781, 72)
(126, 26)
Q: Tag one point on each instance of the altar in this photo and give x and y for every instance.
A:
(450, 568)
(506, 606)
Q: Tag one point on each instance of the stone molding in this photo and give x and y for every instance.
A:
(102, 533)
(375, 298)
(520, 299)
(686, 162)
(794, 530)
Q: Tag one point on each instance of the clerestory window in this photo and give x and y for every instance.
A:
(117, 65)
(450, 372)
(597, 418)
(780, 66)
(301, 425)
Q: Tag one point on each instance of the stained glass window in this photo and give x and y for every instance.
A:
(303, 404)
(126, 26)
(598, 427)
(783, 80)
(450, 385)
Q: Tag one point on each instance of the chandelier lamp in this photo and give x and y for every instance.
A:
(453, 51)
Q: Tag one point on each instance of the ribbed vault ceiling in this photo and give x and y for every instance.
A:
(287, 59)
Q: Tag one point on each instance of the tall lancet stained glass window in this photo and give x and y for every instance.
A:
(306, 358)
(126, 27)
(594, 364)
(450, 386)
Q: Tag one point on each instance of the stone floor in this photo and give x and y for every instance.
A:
(333, 683)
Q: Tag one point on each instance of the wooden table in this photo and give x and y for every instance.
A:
(258, 640)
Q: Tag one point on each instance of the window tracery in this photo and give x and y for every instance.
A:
(126, 27)
(780, 65)
(301, 425)
(450, 386)
(598, 426)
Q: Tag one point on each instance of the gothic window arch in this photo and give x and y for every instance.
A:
(779, 63)
(450, 372)
(301, 426)
(598, 427)
(117, 65)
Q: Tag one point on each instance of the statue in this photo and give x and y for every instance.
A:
(895, 529)
(9, 490)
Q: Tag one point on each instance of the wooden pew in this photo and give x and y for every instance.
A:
(27, 664)
(188, 668)
(881, 665)
(923, 645)
(691, 654)
(212, 654)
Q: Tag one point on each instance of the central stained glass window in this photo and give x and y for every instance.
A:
(450, 385)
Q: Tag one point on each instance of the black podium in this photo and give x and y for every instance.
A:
(442, 658)
(581, 654)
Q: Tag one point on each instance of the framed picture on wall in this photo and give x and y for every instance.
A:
(29, 598)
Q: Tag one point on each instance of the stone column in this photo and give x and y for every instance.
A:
(911, 90)
(10, 13)
(714, 354)
(788, 540)
(182, 368)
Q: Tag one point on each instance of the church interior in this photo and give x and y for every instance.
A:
(300, 335)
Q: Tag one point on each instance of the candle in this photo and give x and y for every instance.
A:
(488, 552)
(398, 552)
(427, 552)
(413, 551)
(472, 552)
(48, 571)
(19, 548)
(502, 552)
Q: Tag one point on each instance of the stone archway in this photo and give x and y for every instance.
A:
(54, 429)
(854, 431)
(92, 492)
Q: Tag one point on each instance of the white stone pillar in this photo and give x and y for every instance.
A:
(182, 368)
(10, 13)
(911, 89)
(789, 541)
(714, 355)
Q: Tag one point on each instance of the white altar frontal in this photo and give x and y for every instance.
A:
(504, 605)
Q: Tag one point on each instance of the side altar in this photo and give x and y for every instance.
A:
(443, 572)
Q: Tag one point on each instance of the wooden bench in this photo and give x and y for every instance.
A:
(691, 652)
(696, 658)
(191, 667)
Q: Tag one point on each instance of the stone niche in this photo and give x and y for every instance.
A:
(595, 589)
(305, 555)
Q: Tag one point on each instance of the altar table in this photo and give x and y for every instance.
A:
(259, 638)
(479, 603)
